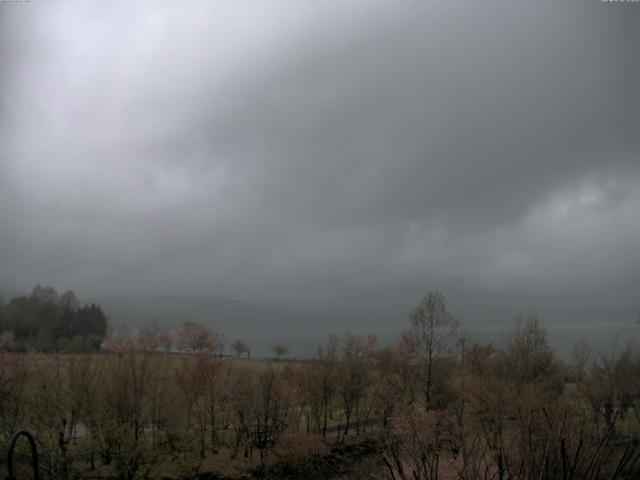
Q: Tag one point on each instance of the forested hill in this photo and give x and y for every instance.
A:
(172, 310)
(215, 312)
(48, 321)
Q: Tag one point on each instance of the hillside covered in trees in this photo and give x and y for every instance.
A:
(48, 321)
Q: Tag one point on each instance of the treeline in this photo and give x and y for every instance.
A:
(47, 321)
(438, 404)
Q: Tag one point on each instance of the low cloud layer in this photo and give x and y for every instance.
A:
(341, 155)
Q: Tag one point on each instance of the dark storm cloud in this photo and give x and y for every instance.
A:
(340, 153)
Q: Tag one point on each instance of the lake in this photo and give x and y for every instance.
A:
(563, 337)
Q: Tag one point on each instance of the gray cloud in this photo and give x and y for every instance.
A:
(351, 154)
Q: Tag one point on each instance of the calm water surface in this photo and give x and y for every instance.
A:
(304, 342)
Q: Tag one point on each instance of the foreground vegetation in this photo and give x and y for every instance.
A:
(434, 406)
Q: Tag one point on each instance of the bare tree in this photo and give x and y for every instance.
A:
(326, 371)
(579, 360)
(280, 350)
(354, 378)
(195, 337)
(240, 348)
(527, 356)
(433, 334)
(272, 408)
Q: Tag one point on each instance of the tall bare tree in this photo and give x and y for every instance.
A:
(433, 334)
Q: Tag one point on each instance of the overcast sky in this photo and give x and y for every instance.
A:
(334, 153)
